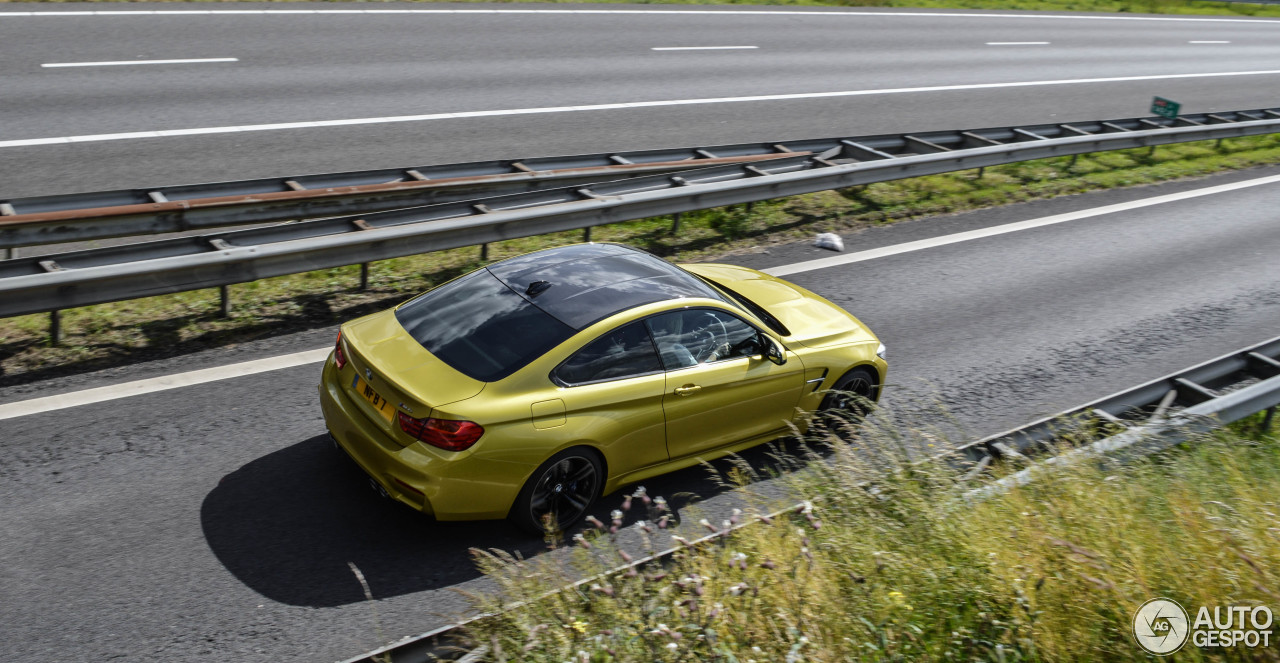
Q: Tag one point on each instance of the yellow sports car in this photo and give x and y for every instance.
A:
(528, 388)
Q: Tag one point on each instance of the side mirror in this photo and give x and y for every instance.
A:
(772, 350)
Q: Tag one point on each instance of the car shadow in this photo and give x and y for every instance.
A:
(289, 525)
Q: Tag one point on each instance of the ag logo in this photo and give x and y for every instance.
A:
(1161, 626)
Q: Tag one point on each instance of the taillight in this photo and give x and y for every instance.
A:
(339, 357)
(446, 434)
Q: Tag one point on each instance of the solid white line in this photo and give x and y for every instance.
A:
(128, 62)
(1208, 42)
(100, 394)
(836, 261)
(162, 383)
(701, 48)
(1017, 43)
(164, 133)
(607, 12)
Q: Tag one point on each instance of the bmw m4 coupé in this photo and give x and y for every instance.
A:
(528, 388)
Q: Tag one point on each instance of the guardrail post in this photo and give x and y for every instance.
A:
(1071, 165)
(750, 206)
(1266, 420)
(224, 295)
(364, 276)
(484, 252)
(675, 223)
(8, 253)
(586, 234)
(55, 327)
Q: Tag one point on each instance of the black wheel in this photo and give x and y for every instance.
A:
(559, 492)
(849, 399)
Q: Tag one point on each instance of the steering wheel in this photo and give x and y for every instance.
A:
(712, 337)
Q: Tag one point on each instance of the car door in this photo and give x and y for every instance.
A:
(612, 394)
(719, 388)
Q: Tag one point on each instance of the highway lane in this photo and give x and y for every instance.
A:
(299, 67)
(213, 521)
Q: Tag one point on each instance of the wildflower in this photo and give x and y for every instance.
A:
(581, 540)
(642, 495)
(806, 507)
(625, 557)
(738, 560)
(673, 646)
(738, 589)
(644, 526)
(707, 524)
(616, 516)
(595, 522)
(736, 516)
(660, 503)
(680, 540)
(579, 626)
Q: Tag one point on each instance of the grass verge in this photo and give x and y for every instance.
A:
(1053, 571)
(171, 325)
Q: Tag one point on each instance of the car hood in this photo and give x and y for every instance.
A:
(812, 320)
(414, 375)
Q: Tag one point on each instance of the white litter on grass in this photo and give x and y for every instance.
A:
(829, 241)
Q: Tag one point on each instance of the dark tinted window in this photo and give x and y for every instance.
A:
(623, 352)
(480, 327)
(701, 336)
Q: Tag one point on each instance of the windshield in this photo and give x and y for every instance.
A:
(746, 304)
(480, 327)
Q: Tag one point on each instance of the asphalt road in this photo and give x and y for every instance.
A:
(214, 522)
(299, 67)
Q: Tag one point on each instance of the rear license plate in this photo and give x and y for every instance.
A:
(378, 402)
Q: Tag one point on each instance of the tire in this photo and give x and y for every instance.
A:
(849, 400)
(564, 488)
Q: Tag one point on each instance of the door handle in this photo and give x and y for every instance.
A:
(687, 390)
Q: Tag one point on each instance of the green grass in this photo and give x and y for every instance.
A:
(110, 334)
(1194, 7)
(1052, 571)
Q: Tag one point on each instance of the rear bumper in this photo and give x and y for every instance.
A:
(421, 477)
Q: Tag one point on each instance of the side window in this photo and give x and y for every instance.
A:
(701, 336)
(623, 352)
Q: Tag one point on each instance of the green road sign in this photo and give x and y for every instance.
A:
(1165, 107)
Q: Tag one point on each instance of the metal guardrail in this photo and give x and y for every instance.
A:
(82, 216)
(1150, 407)
(54, 282)
(1142, 405)
(86, 216)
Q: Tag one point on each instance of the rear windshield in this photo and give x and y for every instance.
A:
(480, 327)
